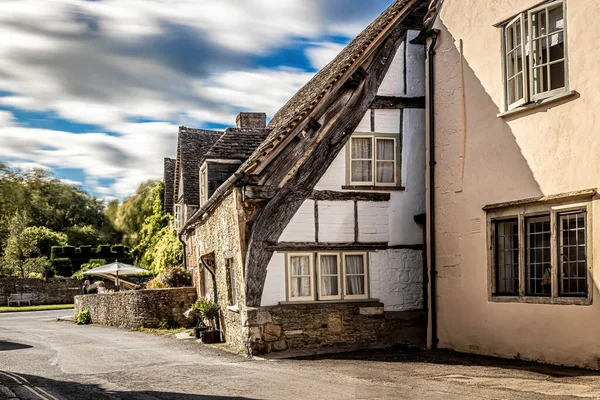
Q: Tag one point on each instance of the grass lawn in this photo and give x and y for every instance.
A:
(42, 307)
(160, 332)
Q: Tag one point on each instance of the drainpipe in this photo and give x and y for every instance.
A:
(421, 39)
(215, 292)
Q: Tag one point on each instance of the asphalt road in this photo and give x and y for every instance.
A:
(41, 358)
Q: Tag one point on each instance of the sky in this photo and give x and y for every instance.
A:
(94, 90)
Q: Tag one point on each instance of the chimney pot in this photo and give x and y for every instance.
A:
(247, 120)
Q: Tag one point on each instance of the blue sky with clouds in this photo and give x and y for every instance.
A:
(95, 90)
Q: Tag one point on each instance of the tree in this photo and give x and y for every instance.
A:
(19, 246)
(44, 238)
(86, 235)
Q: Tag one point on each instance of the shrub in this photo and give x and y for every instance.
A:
(172, 278)
(83, 318)
(62, 266)
(92, 289)
(168, 323)
(35, 275)
(208, 310)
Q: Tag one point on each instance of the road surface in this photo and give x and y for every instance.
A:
(41, 358)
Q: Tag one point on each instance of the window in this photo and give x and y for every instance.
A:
(540, 252)
(231, 282)
(535, 54)
(203, 185)
(338, 276)
(373, 160)
(177, 216)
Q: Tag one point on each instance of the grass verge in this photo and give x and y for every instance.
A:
(160, 332)
(41, 307)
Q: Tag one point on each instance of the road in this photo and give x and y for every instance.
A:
(41, 358)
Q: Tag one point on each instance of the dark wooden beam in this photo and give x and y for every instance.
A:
(321, 246)
(393, 102)
(331, 195)
(254, 193)
(298, 186)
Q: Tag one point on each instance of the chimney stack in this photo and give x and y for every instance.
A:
(247, 120)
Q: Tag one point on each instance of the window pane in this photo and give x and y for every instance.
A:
(557, 46)
(385, 172)
(538, 256)
(355, 285)
(573, 253)
(385, 149)
(329, 265)
(557, 75)
(556, 18)
(329, 286)
(361, 148)
(538, 22)
(540, 80)
(300, 287)
(362, 171)
(300, 265)
(355, 264)
(507, 257)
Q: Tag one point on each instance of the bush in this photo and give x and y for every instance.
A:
(172, 278)
(208, 310)
(62, 266)
(168, 323)
(93, 289)
(83, 318)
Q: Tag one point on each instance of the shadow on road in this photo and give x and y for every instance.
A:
(66, 390)
(411, 355)
(8, 346)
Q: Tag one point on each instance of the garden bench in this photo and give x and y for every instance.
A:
(19, 298)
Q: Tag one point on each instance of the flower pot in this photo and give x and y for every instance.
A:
(198, 332)
(209, 337)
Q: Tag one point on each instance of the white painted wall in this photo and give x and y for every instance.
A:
(373, 221)
(336, 221)
(274, 290)
(393, 83)
(302, 226)
(387, 121)
(415, 68)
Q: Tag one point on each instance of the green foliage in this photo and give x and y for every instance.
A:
(207, 310)
(62, 266)
(171, 278)
(45, 239)
(38, 267)
(92, 289)
(19, 246)
(86, 235)
(96, 262)
(168, 323)
(83, 317)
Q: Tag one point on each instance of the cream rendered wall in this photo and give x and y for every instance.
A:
(552, 149)
(395, 275)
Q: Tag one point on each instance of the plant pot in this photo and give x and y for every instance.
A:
(209, 337)
(198, 332)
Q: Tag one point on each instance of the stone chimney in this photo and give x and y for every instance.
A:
(248, 120)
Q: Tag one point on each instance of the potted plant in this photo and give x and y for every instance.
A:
(207, 310)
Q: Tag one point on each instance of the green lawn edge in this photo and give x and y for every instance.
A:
(42, 307)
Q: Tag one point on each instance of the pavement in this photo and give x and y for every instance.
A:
(41, 358)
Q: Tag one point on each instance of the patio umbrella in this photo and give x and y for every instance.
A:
(116, 269)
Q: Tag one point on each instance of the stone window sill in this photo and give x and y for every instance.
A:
(234, 309)
(284, 303)
(378, 188)
(567, 301)
(532, 106)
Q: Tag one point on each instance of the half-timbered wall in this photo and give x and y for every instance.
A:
(395, 274)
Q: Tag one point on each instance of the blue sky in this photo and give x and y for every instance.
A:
(94, 90)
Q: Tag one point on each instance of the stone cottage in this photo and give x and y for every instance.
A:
(307, 231)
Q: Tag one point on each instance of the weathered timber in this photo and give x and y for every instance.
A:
(259, 192)
(393, 102)
(356, 78)
(279, 211)
(356, 227)
(376, 188)
(354, 246)
(331, 195)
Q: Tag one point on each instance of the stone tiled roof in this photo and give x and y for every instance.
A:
(309, 96)
(192, 144)
(236, 144)
(169, 179)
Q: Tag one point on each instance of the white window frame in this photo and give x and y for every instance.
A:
(339, 276)
(374, 139)
(366, 275)
(312, 277)
(526, 38)
(203, 184)
(522, 213)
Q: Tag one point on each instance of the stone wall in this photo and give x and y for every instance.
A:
(321, 327)
(51, 291)
(136, 309)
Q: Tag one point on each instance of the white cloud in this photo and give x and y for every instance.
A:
(322, 54)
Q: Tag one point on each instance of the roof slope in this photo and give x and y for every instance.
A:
(192, 144)
(169, 179)
(236, 144)
(313, 92)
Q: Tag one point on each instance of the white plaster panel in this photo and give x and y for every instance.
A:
(387, 121)
(396, 279)
(373, 221)
(365, 123)
(335, 176)
(393, 83)
(336, 221)
(274, 290)
(302, 226)
(410, 202)
(415, 67)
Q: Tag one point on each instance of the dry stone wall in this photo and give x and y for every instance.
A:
(137, 309)
(51, 291)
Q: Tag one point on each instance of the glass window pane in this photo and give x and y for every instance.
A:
(355, 264)
(300, 287)
(538, 22)
(362, 171)
(329, 265)
(362, 148)
(385, 172)
(557, 21)
(385, 149)
(300, 265)
(557, 46)
(538, 256)
(329, 286)
(507, 257)
(572, 254)
(557, 75)
(355, 285)
(540, 80)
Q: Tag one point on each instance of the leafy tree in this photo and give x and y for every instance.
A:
(37, 267)
(19, 246)
(86, 235)
(44, 239)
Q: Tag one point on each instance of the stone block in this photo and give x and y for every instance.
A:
(262, 317)
(272, 332)
(335, 323)
(279, 346)
(370, 311)
(294, 332)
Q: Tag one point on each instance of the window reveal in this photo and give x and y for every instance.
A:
(572, 253)
(538, 256)
(507, 257)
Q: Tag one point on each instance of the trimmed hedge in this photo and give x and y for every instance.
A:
(62, 266)
(83, 255)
